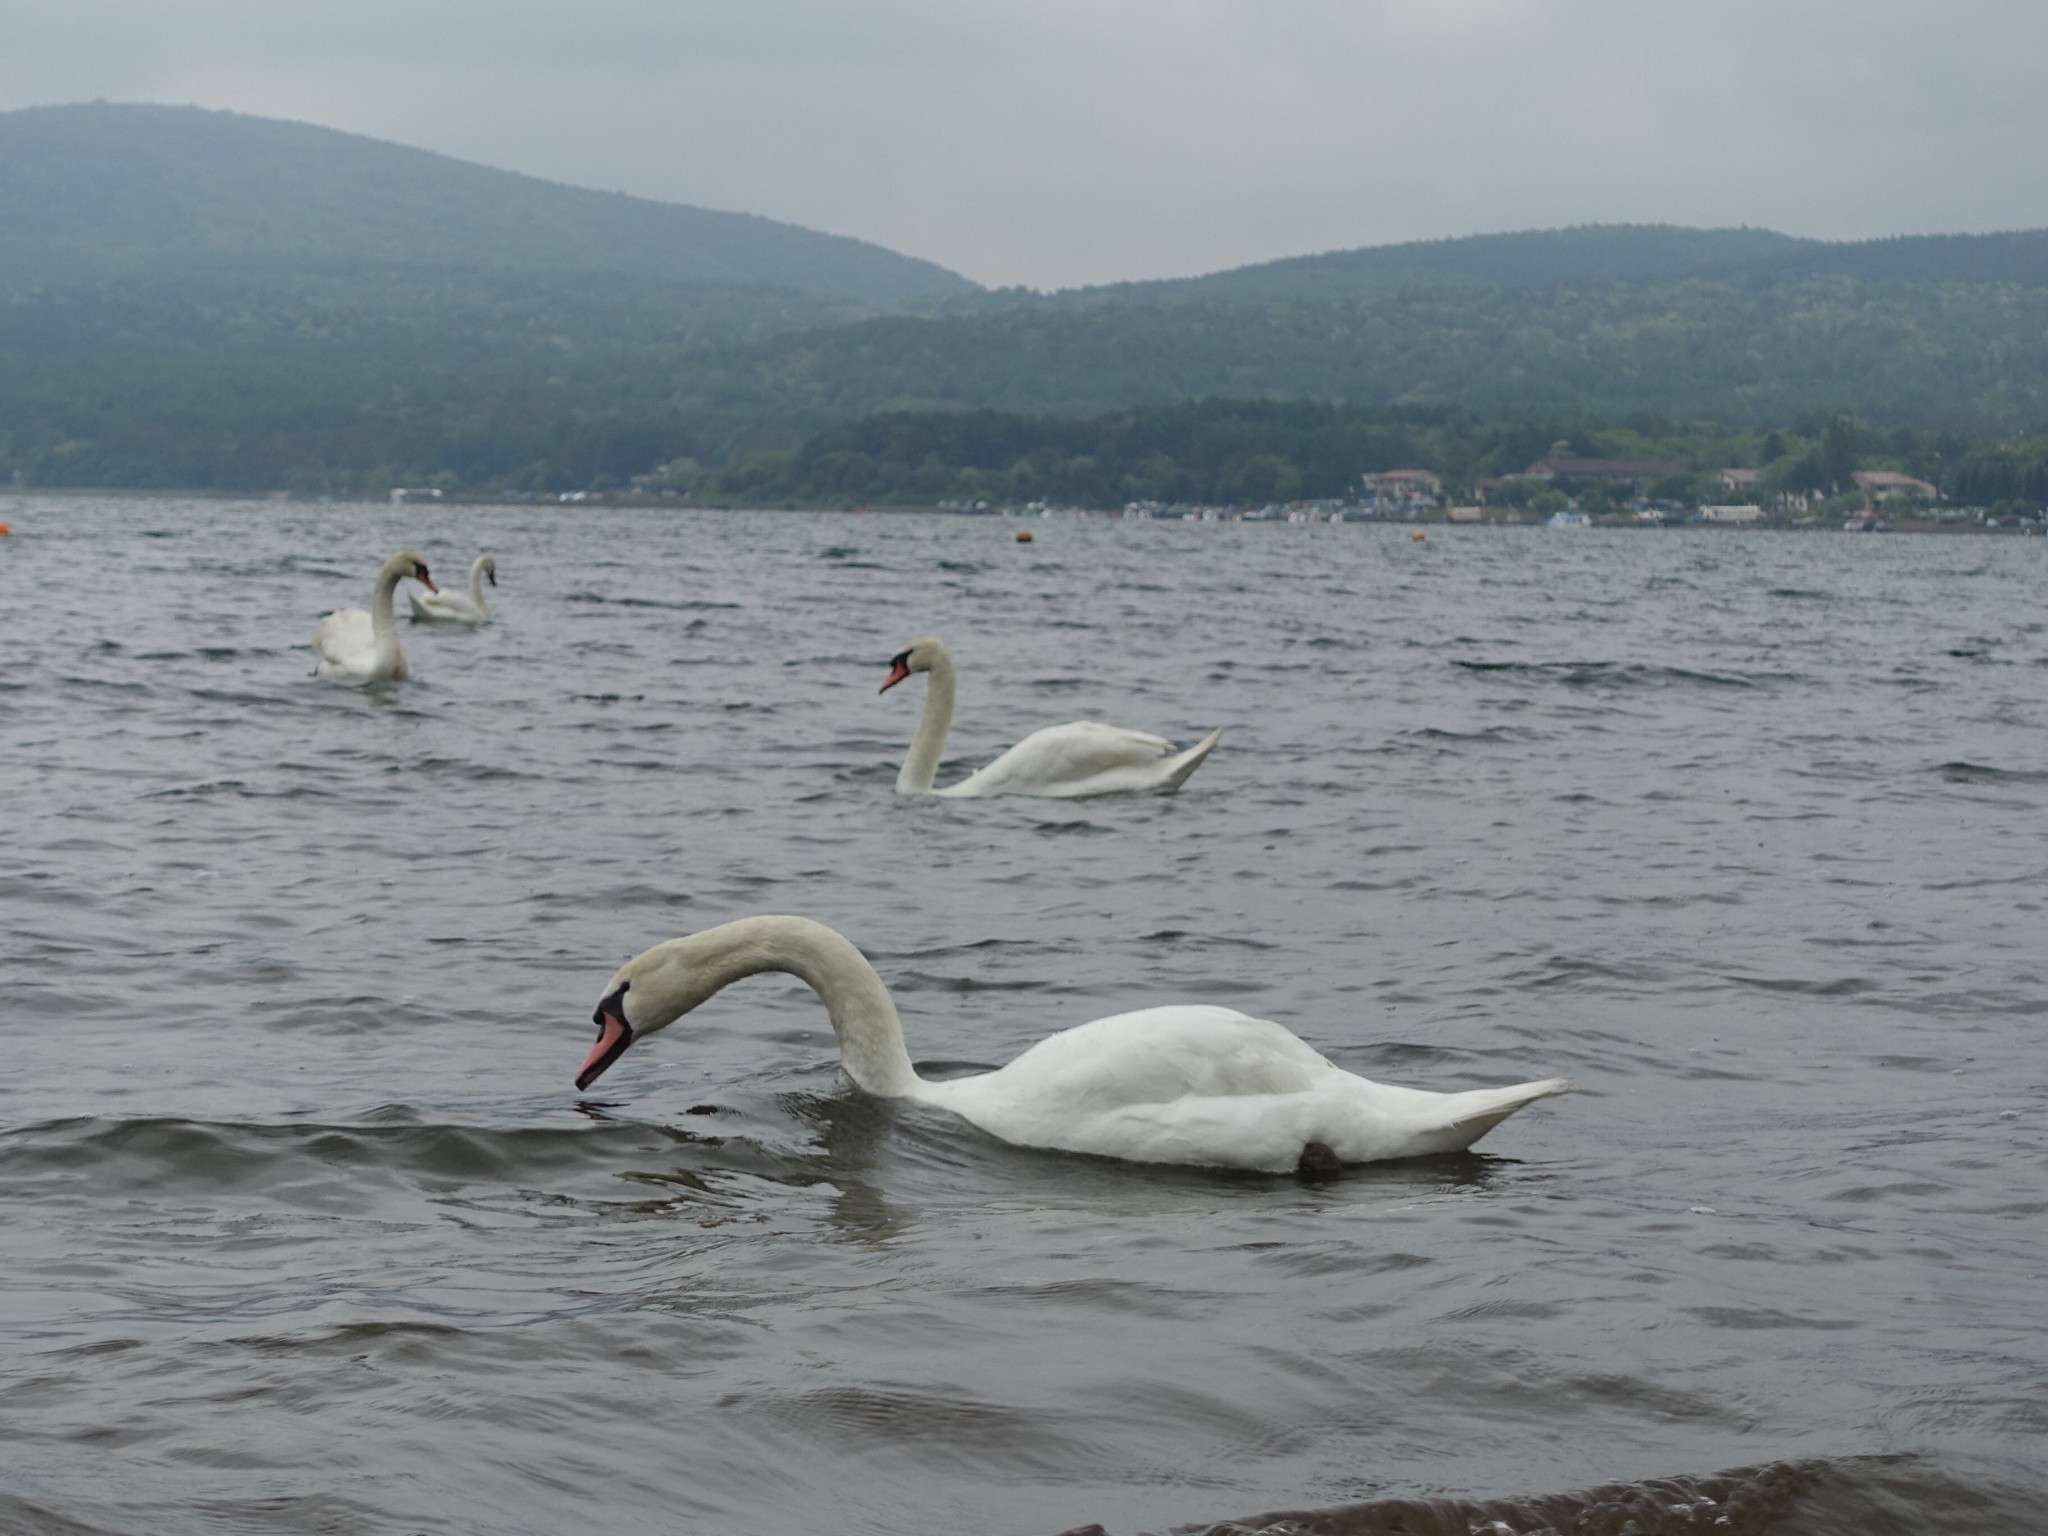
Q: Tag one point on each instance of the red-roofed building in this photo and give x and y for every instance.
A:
(1407, 482)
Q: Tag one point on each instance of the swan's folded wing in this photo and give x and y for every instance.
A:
(344, 633)
(1153, 1056)
(1062, 754)
(446, 607)
(1197, 1085)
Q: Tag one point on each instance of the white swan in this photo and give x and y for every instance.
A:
(452, 607)
(1195, 1085)
(352, 643)
(1064, 761)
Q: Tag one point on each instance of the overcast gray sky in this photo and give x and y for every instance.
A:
(1056, 142)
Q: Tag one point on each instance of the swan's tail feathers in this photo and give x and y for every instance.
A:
(1474, 1114)
(1187, 762)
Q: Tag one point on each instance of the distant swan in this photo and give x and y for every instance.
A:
(1063, 761)
(352, 643)
(1203, 1086)
(452, 607)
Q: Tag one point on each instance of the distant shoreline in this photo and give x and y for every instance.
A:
(14, 495)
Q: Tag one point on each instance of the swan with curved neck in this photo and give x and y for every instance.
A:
(1189, 1084)
(354, 644)
(1065, 762)
(453, 607)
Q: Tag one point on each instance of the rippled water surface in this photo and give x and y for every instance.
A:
(303, 1228)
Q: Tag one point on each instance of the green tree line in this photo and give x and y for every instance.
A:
(354, 377)
(1256, 451)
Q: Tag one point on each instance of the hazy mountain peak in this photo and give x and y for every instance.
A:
(1586, 253)
(112, 187)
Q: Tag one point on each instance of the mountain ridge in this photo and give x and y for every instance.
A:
(458, 332)
(107, 189)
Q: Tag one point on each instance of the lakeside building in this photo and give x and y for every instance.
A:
(1876, 484)
(1739, 479)
(1402, 484)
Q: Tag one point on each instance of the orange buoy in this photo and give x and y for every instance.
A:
(1419, 536)
(1023, 535)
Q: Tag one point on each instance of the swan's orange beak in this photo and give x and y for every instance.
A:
(419, 574)
(614, 1034)
(899, 669)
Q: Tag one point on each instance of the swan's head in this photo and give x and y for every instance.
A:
(410, 564)
(918, 656)
(648, 993)
(490, 569)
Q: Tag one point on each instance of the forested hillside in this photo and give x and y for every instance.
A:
(1749, 348)
(201, 299)
(1526, 259)
(104, 189)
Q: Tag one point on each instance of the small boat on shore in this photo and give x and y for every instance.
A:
(1568, 520)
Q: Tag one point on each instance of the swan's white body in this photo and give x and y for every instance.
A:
(453, 607)
(1203, 1086)
(361, 645)
(1066, 762)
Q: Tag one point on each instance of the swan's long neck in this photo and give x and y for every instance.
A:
(382, 627)
(921, 762)
(476, 584)
(863, 1016)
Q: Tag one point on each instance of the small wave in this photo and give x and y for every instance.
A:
(1749, 1319)
(1960, 772)
(162, 1153)
(608, 600)
(1617, 674)
(73, 683)
(1177, 936)
(1853, 1496)
(268, 701)
(1841, 986)
(925, 981)
(971, 946)
(1082, 828)
(1575, 971)
(1486, 735)
(203, 653)
(460, 768)
(238, 789)
(859, 1419)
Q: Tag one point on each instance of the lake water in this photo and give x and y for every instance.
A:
(305, 1229)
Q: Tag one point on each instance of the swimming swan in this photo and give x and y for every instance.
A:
(1189, 1084)
(352, 643)
(452, 607)
(1063, 761)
